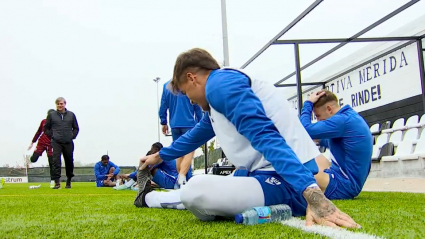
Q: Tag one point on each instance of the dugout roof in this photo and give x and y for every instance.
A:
(293, 82)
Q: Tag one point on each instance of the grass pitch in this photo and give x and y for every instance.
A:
(89, 212)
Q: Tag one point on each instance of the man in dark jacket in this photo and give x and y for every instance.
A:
(62, 127)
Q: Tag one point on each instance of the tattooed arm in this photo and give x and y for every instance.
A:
(322, 211)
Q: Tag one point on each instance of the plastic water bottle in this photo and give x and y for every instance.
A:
(260, 215)
(35, 187)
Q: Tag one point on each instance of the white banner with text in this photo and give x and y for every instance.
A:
(389, 79)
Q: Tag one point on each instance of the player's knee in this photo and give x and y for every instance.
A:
(322, 163)
(193, 193)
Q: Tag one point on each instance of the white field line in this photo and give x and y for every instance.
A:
(337, 233)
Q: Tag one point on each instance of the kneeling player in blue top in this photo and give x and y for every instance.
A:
(261, 135)
(346, 134)
(164, 174)
(106, 172)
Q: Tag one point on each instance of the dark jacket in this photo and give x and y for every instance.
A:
(62, 128)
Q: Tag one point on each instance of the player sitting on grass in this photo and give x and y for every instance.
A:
(106, 172)
(131, 180)
(348, 137)
(261, 135)
(164, 174)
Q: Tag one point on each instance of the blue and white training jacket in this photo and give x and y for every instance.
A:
(255, 126)
(348, 137)
(182, 113)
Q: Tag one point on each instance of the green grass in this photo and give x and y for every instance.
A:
(89, 212)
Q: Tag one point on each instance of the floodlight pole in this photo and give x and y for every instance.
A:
(224, 30)
(298, 73)
(156, 80)
(206, 158)
(421, 70)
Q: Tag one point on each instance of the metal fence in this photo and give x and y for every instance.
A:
(212, 157)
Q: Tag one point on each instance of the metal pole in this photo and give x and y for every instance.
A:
(392, 14)
(298, 72)
(157, 106)
(206, 158)
(224, 29)
(156, 80)
(421, 71)
(362, 64)
(302, 84)
(338, 40)
(285, 30)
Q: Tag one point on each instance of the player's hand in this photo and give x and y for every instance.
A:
(30, 147)
(322, 211)
(165, 129)
(149, 160)
(314, 97)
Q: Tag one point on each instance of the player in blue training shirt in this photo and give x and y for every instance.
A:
(346, 134)
(183, 117)
(106, 172)
(261, 135)
(164, 174)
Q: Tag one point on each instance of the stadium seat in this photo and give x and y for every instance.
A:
(411, 134)
(381, 140)
(398, 125)
(412, 120)
(374, 129)
(385, 125)
(422, 136)
(396, 137)
(375, 153)
(418, 153)
(404, 148)
(420, 124)
(387, 150)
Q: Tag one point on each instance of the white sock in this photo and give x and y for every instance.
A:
(170, 199)
(129, 183)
